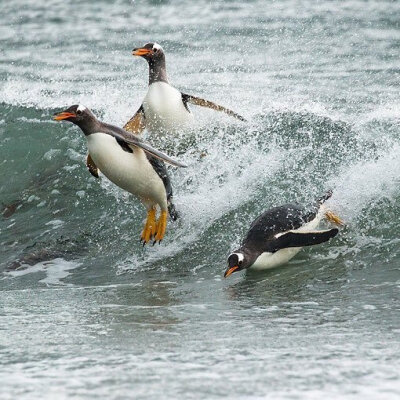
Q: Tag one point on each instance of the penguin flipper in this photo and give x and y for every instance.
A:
(137, 123)
(121, 135)
(92, 167)
(197, 101)
(157, 154)
(302, 239)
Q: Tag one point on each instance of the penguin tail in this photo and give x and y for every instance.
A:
(172, 211)
(321, 200)
(329, 215)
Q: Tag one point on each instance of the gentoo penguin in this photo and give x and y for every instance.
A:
(165, 109)
(278, 234)
(130, 163)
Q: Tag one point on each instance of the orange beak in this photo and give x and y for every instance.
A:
(230, 271)
(140, 52)
(63, 115)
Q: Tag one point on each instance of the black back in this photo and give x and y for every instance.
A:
(277, 220)
(161, 170)
(159, 166)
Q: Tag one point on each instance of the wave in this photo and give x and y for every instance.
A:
(235, 172)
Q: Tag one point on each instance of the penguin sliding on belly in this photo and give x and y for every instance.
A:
(130, 163)
(164, 108)
(278, 235)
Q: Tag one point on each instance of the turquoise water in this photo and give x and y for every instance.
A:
(86, 312)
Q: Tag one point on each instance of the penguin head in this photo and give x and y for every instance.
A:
(151, 52)
(74, 114)
(79, 115)
(237, 261)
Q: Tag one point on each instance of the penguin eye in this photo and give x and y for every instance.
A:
(240, 262)
(79, 112)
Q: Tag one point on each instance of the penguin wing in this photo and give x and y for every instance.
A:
(301, 239)
(126, 137)
(197, 101)
(156, 153)
(92, 167)
(137, 123)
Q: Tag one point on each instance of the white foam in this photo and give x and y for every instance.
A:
(389, 111)
(207, 199)
(55, 270)
(359, 184)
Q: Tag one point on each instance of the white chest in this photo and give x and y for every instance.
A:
(130, 171)
(164, 109)
(272, 260)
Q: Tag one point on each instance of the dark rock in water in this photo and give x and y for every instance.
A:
(10, 209)
(34, 257)
(39, 252)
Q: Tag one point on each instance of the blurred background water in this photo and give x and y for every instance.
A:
(86, 312)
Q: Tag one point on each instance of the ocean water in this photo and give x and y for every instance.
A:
(86, 312)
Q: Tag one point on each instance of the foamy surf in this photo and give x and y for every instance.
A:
(55, 270)
(87, 312)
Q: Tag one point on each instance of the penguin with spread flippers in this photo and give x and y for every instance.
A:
(130, 163)
(164, 108)
(278, 235)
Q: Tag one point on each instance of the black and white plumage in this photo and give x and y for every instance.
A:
(165, 109)
(130, 163)
(278, 235)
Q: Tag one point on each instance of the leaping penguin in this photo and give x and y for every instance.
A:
(164, 108)
(130, 163)
(278, 235)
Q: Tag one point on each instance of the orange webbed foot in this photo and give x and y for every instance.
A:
(150, 226)
(161, 227)
(333, 218)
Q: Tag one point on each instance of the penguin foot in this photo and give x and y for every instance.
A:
(150, 227)
(333, 218)
(161, 227)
